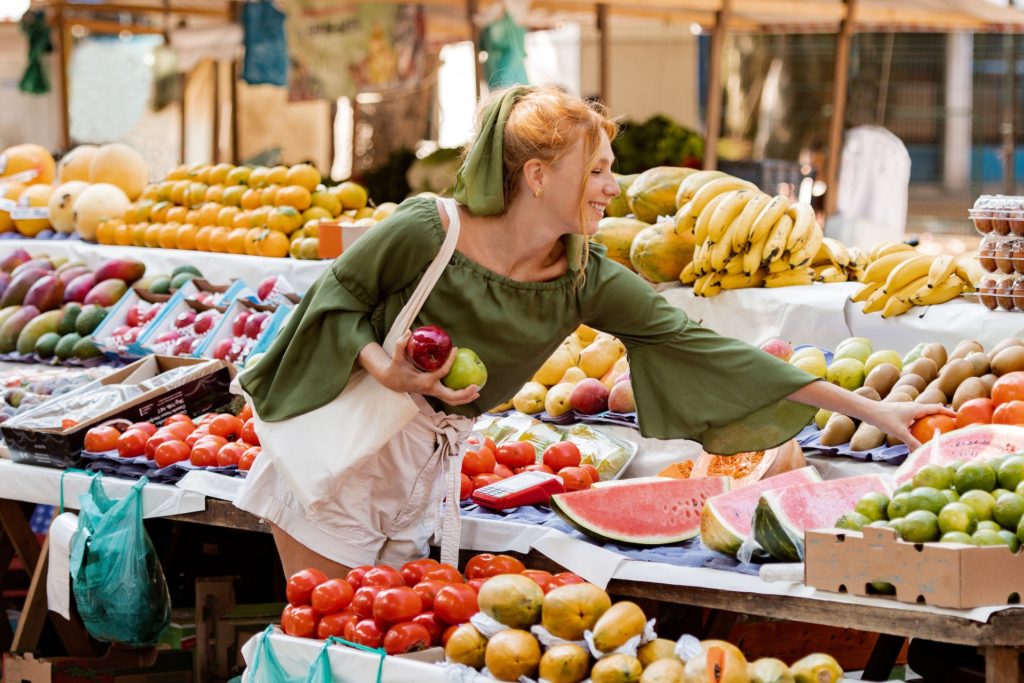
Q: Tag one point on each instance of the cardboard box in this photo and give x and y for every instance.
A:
(234, 629)
(335, 238)
(205, 389)
(170, 667)
(938, 574)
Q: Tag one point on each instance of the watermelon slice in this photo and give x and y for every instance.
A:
(783, 515)
(649, 512)
(728, 518)
(968, 443)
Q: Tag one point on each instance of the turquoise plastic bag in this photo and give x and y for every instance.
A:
(117, 580)
(267, 668)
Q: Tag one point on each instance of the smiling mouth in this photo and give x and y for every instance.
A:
(597, 207)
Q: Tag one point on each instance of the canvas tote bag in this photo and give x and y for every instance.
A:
(311, 451)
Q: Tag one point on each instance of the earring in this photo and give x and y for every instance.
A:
(537, 194)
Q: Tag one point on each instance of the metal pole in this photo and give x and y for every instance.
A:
(839, 83)
(474, 34)
(603, 50)
(713, 114)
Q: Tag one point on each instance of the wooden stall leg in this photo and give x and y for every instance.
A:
(883, 657)
(1002, 664)
(17, 529)
(6, 555)
(719, 624)
(33, 614)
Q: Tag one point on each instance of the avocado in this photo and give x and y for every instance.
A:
(89, 319)
(86, 348)
(46, 344)
(185, 268)
(66, 346)
(67, 323)
(179, 280)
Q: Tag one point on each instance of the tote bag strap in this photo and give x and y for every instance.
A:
(412, 308)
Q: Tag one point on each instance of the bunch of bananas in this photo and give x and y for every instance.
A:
(899, 277)
(746, 238)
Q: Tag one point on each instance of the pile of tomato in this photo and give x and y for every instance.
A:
(212, 440)
(401, 610)
(486, 463)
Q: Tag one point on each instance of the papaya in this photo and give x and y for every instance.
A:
(619, 206)
(659, 254)
(36, 328)
(653, 192)
(617, 234)
(65, 348)
(12, 327)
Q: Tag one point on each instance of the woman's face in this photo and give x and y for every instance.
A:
(562, 186)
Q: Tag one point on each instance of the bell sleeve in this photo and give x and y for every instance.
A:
(688, 381)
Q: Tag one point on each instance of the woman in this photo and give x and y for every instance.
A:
(532, 189)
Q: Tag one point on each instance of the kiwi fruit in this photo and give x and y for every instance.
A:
(935, 351)
(1008, 359)
(980, 361)
(989, 381)
(891, 440)
(1007, 343)
(965, 347)
(972, 387)
(931, 396)
(911, 380)
(955, 372)
(838, 430)
(868, 392)
(908, 391)
(882, 378)
(866, 437)
(925, 368)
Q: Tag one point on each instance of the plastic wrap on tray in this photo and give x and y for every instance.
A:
(1002, 291)
(998, 214)
(540, 436)
(607, 454)
(503, 429)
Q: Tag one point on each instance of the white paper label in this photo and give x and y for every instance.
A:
(23, 177)
(8, 204)
(29, 212)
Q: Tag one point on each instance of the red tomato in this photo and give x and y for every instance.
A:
(595, 476)
(246, 413)
(180, 429)
(465, 487)
(406, 637)
(383, 576)
(229, 454)
(476, 584)
(193, 438)
(159, 438)
(562, 454)
(147, 427)
(394, 605)
(574, 478)
(301, 584)
(225, 425)
(367, 633)
(171, 452)
(179, 417)
(566, 578)
(299, 620)
(204, 454)
(247, 459)
(476, 564)
(332, 595)
(448, 634)
(427, 589)
(475, 442)
(217, 441)
(535, 468)
(455, 603)
(516, 454)
(99, 439)
(539, 576)
(412, 572)
(435, 627)
(249, 432)
(444, 573)
(502, 471)
(334, 624)
(132, 443)
(502, 564)
(355, 575)
(362, 601)
(482, 480)
(478, 462)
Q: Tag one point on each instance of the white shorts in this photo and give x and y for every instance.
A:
(389, 507)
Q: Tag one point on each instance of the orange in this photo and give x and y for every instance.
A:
(304, 175)
(202, 242)
(274, 244)
(236, 241)
(158, 213)
(219, 173)
(106, 230)
(123, 235)
(327, 201)
(199, 172)
(278, 175)
(295, 248)
(142, 209)
(311, 228)
(226, 216)
(284, 219)
(351, 195)
(195, 194)
(213, 193)
(294, 195)
(162, 191)
(241, 220)
(1009, 387)
(139, 234)
(239, 175)
(258, 218)
(924, 429)
(192, 216)
(132, 214)
(208, 214)
(232, 196)
(176, 214)
(975, 411)
(314, 214)
(252, 241)
(1009, 412)
(269, 194)
(152, 235)
(258, 176)
(179, 191)
(179, 173)
(219, 240)
(251, 199)
(169, 236)
(185, 237)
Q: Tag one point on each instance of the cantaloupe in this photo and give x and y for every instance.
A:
(9, 192)
(30, 160)
(120, 165)
(75, 164)
(97, 203)
(35, 196)
(61, 202)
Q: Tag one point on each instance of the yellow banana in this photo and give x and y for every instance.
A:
(707, 285)
(866, 290)
(688, 276)
(713, 287)
(741, 235)
(899, 303)
(879, 269)
(685, 221)
(734, 265)
(969, 269)
(776, 241)
(698, 260)
(780, 265)
(753, 256)
(705, 258)
(942, 267)
(831, 274)
(715, 188)
(720, 253)
(743, 281)
(803, 218)
(893, 248)
(950, 288)
(693, 182)
(907, 272)
(765, 220)
(726, 212)
(858, 259)
(823, 257)
(876, 301)
(789, 278)
(703, 218)
(840, 254)
(806, 253)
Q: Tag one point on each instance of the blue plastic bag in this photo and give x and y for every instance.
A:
(266, 668)
(116, 577)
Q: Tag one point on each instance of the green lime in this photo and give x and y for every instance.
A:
(881, 588)
(981, 501)
(920, 526)
(873, 505)
(935, 476)
(987, 537)
(995, 463)
(905, 488)
(1020, 531)
(955, 465)
(852, 521)
(1011, 472)
(1011, 539)
(927, 498)
(989, 525)
(1008, 510)
(974, 475)
(1020, 489)
(998, 492)
(951, 495)
(957, 517)
(957, 537)
(899, 506)
(880, 524)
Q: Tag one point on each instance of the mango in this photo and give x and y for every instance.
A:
(89, 318)
(106, 293)
(43, 263)
(65, 348)
(5, 280)
(12, 327)
(7, 312)
(78, 288)
(85, 348)
(19, 286)
(70, 274)
(124, 269)
(36, 328)
(68, 265)
(14, 259)
(67, 321)
(46, 294)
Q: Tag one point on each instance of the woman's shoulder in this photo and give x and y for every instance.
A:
(416, 221)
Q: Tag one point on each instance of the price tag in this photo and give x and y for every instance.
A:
(30, 212)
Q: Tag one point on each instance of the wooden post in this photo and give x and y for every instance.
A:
(603, 50)
(183, 125)
(236, 73)
(332, 143)
(215, 157)
(64, 46)
(836, 125)
(713, 113)
(474, 34)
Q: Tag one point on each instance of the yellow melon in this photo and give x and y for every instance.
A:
(98, 203)
(120, 165)
(617, 234)
(653, 193)
(61, 202)
(75, 164)
(37, 197)
(659, 254)
(9, 193)
(28, 164)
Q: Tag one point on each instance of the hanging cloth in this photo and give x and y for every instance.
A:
(505, 43)
(34, 81)
(266, 48)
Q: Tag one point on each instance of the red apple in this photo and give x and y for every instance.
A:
(589, 396)
(185, 346)
(168, 336)
(428, 348)
(238, 324)
(185, 318)
(151, 312)
(256, 323)
(134, 316)
(205, 321)
(778, 348)
(266, 287)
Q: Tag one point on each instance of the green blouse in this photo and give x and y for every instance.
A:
(688, 381)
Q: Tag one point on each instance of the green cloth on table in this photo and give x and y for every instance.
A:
(688, 381)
